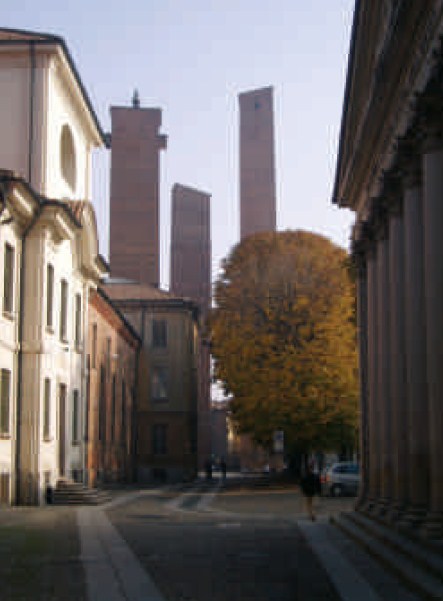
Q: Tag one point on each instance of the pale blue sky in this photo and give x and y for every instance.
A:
(191, 59)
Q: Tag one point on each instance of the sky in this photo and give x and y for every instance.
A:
(192, 58)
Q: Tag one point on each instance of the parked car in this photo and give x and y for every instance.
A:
(341, 479)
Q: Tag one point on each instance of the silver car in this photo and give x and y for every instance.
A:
(341, 479)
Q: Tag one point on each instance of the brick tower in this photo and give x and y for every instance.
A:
(191, 245)
(191, 277)
(257, 162)
(134, 207)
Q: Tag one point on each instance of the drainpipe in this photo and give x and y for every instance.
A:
(18, 488)
(31, 108)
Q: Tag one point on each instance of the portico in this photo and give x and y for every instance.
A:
(393, 180)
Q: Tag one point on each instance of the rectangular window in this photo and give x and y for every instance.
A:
(5, 400)
(75, 417)
(64, 311)
(8, 279)
(108, 354)
(49, 296)
(47, 410)
(123, 424)
(102, 405)
(94, 346)
(159, 439)
(78, 320)
(159, 333)
(159, 383)
(113, 400)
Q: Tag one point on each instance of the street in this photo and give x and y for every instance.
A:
(197, 542)
(238, 544)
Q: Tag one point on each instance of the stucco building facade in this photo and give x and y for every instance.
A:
(167, 383)
(390, 172)
(50, 262)
(113, 353)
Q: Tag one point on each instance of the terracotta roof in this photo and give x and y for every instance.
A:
(21, 35)
(119, 289)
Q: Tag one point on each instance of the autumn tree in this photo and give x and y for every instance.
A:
(284, 339)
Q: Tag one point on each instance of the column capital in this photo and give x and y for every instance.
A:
(429, 123)
(409, 160)
(392, 192)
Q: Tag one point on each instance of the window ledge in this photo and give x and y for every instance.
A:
(50, 330)
(5, 436)
(48, 438)
(9, 315)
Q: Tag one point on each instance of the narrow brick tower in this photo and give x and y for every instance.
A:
(191, 245)
(191, 277)
(134, 208)
(257, 162)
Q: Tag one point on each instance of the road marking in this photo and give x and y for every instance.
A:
(113, 572)
(207, 499)
(349, 584)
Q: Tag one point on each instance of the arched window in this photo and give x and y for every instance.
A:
(67, 157)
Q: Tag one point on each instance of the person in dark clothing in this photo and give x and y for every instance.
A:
(310, 486)
(208, 469)
(223, 469)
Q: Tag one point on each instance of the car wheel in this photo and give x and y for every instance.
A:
(336, 490)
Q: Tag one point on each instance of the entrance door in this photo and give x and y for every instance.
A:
(62, 430)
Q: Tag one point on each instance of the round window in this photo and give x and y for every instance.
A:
(67, 157)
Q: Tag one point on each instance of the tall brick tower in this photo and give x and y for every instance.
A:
(191, 277)
(134, 207)
(191, 245)
(257, 162)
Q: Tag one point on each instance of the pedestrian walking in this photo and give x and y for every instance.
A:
(310, 486)
(223, 468)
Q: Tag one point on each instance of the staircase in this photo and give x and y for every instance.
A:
(418, 564)
(68, 492)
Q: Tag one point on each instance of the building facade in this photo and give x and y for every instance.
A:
(113, 349)
(191, 278)
(134, 205)
(390, 172)
(50, 263)
(168, 390)
(49, 254)
(257, 162)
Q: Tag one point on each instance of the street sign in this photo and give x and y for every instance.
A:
(279, 441)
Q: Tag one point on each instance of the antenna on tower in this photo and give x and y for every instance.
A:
(136, 99)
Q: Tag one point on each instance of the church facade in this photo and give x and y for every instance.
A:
(49, 261)
(390, 173)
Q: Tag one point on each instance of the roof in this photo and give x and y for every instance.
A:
(19, 36)
(120, 289)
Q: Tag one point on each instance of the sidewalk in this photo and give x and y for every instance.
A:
(113, 572)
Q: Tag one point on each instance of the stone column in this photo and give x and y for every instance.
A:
(362, 315)
(373, 467)
(415, 344)
(433, 250)
(383, 403)
(397, 361)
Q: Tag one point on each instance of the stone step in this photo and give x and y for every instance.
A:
(415, 566)
(75, 493)
(419, 553)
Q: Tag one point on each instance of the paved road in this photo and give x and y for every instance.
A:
(235, 545)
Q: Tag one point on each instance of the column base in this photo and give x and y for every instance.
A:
(412, 519)
(432, 526)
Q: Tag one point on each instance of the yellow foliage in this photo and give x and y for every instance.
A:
(284, 338)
